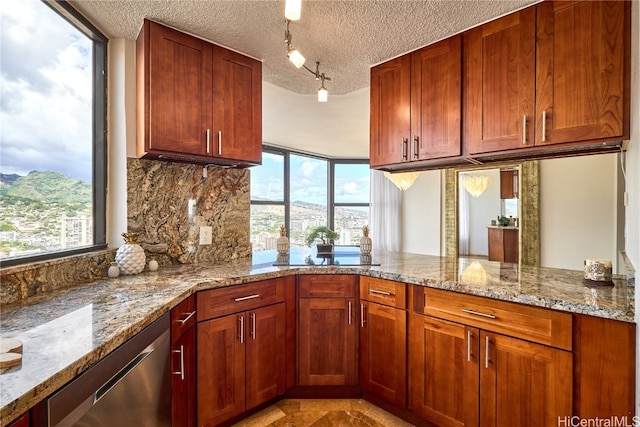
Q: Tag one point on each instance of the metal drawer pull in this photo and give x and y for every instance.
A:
(241, 319)
(220, 143)
(524, 129)
(253, 326)
(349, 312)
(416, 146)
(405, 149)
(186, 319)
(208, 140)
(468, 346)
(247, 297)
(544, 125)
(477, 313)
(486, 352)
(362, 308)
(375, 291)
(181, 371)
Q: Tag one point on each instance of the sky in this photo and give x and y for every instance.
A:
(45, 92)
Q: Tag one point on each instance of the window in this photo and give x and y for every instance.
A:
(53, 164)
(301, 191)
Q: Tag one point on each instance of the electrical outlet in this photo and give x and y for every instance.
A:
(205, 235)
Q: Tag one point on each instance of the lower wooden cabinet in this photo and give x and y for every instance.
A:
(503, 244)
(327, 335)
(183, 364)
(22, 421)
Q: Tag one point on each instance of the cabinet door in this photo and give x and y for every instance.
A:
(266, 347)
(509, 184)
(327, 352)
(237, 103)
(436, 72)
(179, 77)
(390, 121)
(499, 84)
(443, 371)
(221, 369)
(522, 383)
(183, 380)
(580, 82)
(383, 352)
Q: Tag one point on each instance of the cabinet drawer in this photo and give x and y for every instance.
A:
(182, 317)
(383, 291)
(233, 299)
(327, 286)
(539, 325)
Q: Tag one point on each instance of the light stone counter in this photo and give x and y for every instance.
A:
(67, 331)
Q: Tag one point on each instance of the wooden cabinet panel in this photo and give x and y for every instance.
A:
(327, 347)
(183, 316)
(221, 369)
(265, 354)
(22, 421)
(390, 121)
(499, 83)
(436, 100)
(383, 352)
(383, 291)
(503, 244)
(237, 106)
(443, 371)
(173, 70)
(581, 92)
(327, 286)
(604, 368)
(183, 379)
(522, 383)
(234, 299)
(509, 184)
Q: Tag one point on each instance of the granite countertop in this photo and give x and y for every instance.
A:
(67, 331)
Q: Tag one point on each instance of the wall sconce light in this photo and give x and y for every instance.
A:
(402, 180)
(476, 184)
(298, 60)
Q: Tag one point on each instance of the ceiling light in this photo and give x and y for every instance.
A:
(295, 57)
(292, 9)
(476, 184)
(323, 94)
(402, 180)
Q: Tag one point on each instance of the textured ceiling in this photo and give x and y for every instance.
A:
(347, 37)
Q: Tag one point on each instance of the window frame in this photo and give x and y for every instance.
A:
(99, 134)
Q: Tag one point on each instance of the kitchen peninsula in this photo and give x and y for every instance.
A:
(67, 331)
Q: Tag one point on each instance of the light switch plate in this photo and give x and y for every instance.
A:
(205, 235)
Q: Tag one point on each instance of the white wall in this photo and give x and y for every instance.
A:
(578, 210)
(421, 215)
(482, 210)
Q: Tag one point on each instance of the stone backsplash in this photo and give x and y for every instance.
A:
(159, 195)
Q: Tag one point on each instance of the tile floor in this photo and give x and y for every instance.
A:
(323, 413)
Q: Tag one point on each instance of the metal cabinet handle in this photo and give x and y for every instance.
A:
(247, 297)
(486, 352)
(416, 146)
(375, 291)
(405, 148)
(241, 320)
(220, 142)
(524, 129)
(362, 314)
(477, 313)
(469, 346)
(253, 326)
(544, 125)
(208, 140)
(181, 371)
(350, 321)
(186, 319)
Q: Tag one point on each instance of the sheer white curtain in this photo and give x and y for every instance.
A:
(384, 213)
(463, 220)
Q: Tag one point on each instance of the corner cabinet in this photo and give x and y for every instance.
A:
(196, 102)
(183, 364)
(475, 361)
(415, 107)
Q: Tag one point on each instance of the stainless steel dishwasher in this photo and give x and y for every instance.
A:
(129, 387)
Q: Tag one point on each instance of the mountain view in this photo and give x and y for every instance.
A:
(43, 211)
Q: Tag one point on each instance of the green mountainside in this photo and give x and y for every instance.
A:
(46, 187)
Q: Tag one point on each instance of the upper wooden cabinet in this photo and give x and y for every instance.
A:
(197, 102)
(415, 106)
(556, 73)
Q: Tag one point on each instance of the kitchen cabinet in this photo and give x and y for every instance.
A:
(415, 106)
(503, 244)
(556, 73)
(327, 336)
(509, 185)
(242, 349)
(183, 363)
(383, 339)
(475, 361)
(197, 102)
(22, 421)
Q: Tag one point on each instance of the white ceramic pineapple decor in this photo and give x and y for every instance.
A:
(130, 257)
(365, 242)
(282, 244)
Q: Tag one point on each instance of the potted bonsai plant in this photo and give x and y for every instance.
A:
(326, 235)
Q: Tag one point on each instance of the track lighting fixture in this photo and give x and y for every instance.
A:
(298, 60)
(292, 9)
